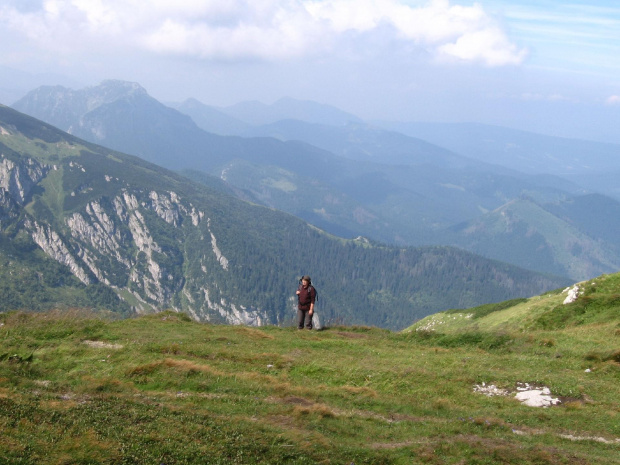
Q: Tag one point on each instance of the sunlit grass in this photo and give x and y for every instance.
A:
(75, 388)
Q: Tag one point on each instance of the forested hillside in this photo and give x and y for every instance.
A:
(567, 238)
(159, 240)
(340, 174)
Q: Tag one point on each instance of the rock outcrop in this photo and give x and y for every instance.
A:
(18, 178)
(112, 241)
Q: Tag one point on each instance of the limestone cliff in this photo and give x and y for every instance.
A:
(110, 240)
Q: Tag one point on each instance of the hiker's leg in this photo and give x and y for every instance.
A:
(300, 319)
(308, 320)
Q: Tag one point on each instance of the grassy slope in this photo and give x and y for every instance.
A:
(168, 390)
(598, 303)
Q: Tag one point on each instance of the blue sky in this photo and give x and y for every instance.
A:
(548, 66)
(574, 37)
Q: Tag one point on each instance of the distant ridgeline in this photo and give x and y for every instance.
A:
(85, 226)
(509, 195)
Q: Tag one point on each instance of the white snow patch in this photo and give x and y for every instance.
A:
(536, 397)
(490, 390)
(573, 293)
(532, 396)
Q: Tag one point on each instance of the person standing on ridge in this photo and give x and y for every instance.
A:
(306, 296)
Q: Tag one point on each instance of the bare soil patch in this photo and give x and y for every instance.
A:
(102, 345)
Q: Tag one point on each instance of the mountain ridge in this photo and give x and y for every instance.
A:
(587, 163)
(257, 113)
(159, 241)
(529, 225)
(393, 188)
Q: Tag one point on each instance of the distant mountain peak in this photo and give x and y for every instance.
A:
(118, 83)
(61, 106)
(112, 90)
(192, 103)
(257, 113)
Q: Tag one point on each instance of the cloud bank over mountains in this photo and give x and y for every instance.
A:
(268, 30)
(548, 67)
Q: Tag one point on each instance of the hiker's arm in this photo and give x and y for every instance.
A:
(312, 299)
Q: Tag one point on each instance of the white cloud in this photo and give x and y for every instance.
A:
(260, 29)
(489, 46)
(613, 100)
(466, 33)
(534, 97)
(266, 30)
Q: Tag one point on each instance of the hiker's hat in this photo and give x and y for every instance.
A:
(306, 278)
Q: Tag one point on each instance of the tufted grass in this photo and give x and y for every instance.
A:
(77, 388)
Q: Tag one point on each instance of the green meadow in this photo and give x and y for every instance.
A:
(79, 388)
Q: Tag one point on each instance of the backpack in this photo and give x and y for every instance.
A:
(310, 286)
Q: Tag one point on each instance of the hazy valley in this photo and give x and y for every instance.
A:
(84, 226)
(352, 178)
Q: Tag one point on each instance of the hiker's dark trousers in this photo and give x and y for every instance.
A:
(304, 319)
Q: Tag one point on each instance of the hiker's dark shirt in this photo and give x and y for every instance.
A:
(307, 295)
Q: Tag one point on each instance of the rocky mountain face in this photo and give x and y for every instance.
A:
(67, 107)
(130, 240)
(154, 240)
(350, 178)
